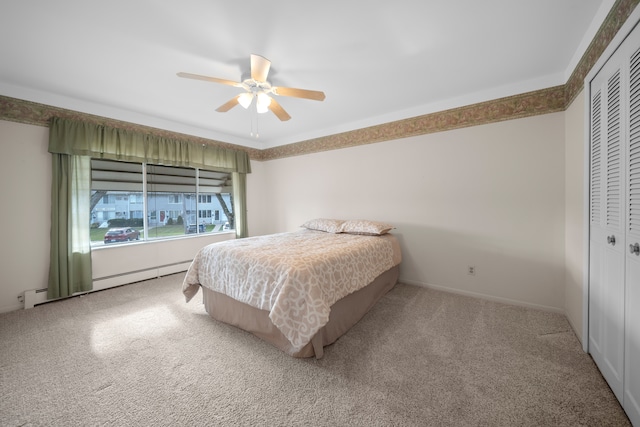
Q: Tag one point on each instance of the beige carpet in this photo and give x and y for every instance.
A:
(139, 355)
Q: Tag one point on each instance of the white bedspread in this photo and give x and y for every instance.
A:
(295, 276)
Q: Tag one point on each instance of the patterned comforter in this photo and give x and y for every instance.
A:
(296, 276)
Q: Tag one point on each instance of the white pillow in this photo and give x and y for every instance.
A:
(324, 224)
(366, 227)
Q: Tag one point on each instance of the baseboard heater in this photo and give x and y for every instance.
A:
(34, 297)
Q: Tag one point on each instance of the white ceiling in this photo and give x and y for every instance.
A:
(375, 61)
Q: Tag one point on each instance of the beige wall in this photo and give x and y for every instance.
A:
(574, 213)
(490, 196)
(25, 188)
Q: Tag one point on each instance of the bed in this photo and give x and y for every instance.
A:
(300, 290)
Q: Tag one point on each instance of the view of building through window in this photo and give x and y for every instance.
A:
(177, 202)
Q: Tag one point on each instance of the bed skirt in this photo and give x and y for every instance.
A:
(344, 314)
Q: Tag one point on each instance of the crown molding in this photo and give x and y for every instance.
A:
(519, 106)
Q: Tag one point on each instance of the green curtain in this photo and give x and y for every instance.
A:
(72, 144)
(103, 142)
(240, 203)
(70, 266)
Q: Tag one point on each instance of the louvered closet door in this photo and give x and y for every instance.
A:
(631, 401)
(606, 292)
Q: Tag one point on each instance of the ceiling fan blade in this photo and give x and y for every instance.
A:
(259, 68)
(209, 79)
(278, 110)
(316, 95)
(228, 105)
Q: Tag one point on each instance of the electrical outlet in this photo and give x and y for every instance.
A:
(21, 298)
(471, 270)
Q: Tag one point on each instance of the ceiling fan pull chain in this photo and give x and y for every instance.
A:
(257, 132)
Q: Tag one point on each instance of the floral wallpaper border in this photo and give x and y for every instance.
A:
(519, 106)
(616, 18)
(32, 113)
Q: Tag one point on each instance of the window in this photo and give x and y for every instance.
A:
(174, 198)
(122, 192)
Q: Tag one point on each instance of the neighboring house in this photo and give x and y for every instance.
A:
(167, 208)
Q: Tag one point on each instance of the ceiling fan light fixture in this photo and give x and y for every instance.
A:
(257, 86)
(263, 102)
(245, 99)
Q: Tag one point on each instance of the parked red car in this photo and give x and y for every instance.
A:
(121, 235)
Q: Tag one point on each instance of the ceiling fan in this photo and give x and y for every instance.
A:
(257, 87)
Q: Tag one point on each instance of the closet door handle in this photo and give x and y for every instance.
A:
(611, 240)
(635, 249)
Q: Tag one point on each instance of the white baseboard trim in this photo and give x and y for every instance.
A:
(575, 331)
(484, 296)
(137, 276)
(8, 308)
(34, 297)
